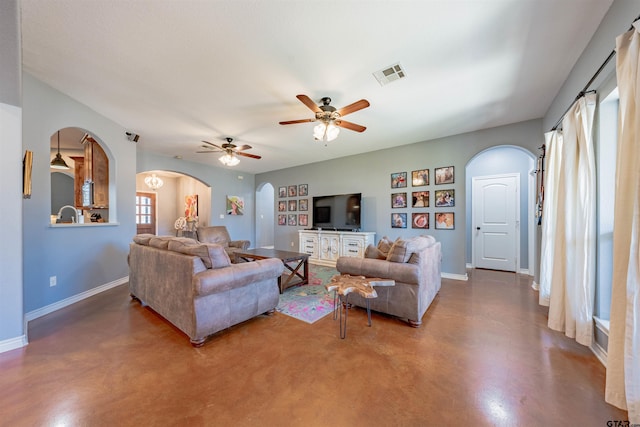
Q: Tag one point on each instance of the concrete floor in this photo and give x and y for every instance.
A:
(483, 357)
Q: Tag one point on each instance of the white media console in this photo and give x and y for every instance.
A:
(325, 246)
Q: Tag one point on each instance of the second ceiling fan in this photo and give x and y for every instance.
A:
(330, 118)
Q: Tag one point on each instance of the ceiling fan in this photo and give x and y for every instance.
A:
(232, 151)
(330, 118)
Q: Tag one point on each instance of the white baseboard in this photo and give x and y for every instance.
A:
(71, 300)
(469, 265)
(463, 277)
(13, 343)
(525, 271)
(535, 286)
(600, 353)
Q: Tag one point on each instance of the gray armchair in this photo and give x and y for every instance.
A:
(414, 264)
(219, 234)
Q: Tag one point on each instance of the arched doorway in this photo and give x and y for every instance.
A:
(265, 206)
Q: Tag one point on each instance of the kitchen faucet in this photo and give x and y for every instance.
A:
(75, 211)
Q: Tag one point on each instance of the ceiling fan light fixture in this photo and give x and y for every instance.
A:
(325, 131)
(229, 160)
(153, 182)
(58, 162)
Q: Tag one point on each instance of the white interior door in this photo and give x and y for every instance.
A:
(495, 214)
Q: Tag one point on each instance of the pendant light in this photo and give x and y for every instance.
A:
(58, 162)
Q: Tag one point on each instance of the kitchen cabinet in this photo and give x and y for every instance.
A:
(92, 169)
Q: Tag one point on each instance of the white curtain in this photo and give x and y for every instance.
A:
(623, 353)
(572, 283)
(553, 154)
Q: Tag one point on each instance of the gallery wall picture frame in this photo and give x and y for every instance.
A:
(445, 221)
(420, 199)
(398, 200)
(398, 180)
(282, 219)
(420, 177)
(303, 190)
(420, 220)
(444, 175)
(303, 205)
(445, 198)
(303, 220)
(282, 192)
(293, 220)
(293, 205)
(282, 206)
(292, 190)
(398, 220)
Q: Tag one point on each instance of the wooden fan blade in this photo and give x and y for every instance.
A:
(351, 126)
(309, 103)
(209, 151)
(253, 156)
(213, 145)
(352, 108)
(293, 122)
(243, 147)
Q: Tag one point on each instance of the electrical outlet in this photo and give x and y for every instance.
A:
(221, 216)
(291, 244)
(53, 280)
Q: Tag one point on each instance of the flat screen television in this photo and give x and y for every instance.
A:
(340, 212)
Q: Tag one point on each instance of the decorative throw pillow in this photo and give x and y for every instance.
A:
(384, 245)
(160, 242)
(211, 254)
(143, 239)
(374, 253)
(399, 252)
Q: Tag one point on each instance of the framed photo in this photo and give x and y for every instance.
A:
(420, 178)
(282, 206)
(420, 199)
(293, 191)
(235, 205)
(282, 219)
(445, 198)
(293, 219)
(399, 200)
(303, 190)
(420, 220)
(398, 180)
(293, 205)
(444, 175)
(282, 192)
(445, 221)
(303, 205)
(303, 220)
(398, 220)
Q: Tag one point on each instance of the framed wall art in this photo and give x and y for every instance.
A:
(445, 198)
(303, 190)
(398, 180)
(420, 178)
(303, 220)
(293, 191)
(235, 205)
(282, 206)
(420, 220)
(293, 205)
(282, 219)
(293, 219)
(282, 192)
(399, 220)
(444, 175)
(445, 221)
(420, 199)
(303, 204)
(399, 200)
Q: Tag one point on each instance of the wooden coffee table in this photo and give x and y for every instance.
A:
(300, 261)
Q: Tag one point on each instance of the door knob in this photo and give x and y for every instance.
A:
(477, 228)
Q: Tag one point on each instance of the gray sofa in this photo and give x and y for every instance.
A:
(196, 288)
(414, 264)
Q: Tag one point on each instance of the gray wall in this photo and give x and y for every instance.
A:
(81, 258)
(12, 332)
(369, 174)
(503, 160)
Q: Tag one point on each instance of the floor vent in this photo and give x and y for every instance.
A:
(390, 74)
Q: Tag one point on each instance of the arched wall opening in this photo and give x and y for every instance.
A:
(265, 217)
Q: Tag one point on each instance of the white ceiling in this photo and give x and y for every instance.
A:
(180, 71)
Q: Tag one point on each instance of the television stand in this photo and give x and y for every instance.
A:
(324, 247)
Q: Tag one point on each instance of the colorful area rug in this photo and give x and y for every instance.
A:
(311, 302)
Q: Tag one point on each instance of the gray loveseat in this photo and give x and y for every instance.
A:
(414, 264)
(195, 287)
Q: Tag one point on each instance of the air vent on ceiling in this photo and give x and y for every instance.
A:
(391, 73)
